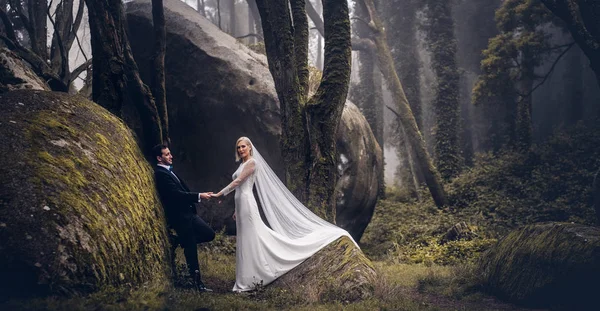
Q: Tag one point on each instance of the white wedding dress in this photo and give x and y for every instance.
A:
(263, 254)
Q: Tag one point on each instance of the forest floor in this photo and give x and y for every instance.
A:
(400, 287)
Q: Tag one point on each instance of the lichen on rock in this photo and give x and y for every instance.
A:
(338, 272)
(78, 206)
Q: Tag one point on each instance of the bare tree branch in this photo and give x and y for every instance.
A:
(545, 77)
(64, 72)
(81, 68)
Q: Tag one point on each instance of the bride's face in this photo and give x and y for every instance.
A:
(243, 149)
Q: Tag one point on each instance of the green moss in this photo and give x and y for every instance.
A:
(104, 217)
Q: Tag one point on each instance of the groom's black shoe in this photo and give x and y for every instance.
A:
(198, 283)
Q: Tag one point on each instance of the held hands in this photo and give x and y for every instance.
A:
(206, 195)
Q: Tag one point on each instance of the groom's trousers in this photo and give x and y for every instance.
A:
(190, 232)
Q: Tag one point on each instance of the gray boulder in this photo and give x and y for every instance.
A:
(17, 74)
(546, 265)
(359, 165)
(78, 206)
(219, 90)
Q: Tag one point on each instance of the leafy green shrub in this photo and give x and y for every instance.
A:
(500, 192)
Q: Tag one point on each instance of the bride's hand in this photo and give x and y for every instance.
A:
(215, 195)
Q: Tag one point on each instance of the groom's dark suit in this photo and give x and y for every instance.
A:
(178, 203)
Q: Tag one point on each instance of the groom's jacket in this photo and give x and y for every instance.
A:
(175, 196)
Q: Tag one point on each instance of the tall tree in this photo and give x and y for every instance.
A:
(378, 41)
(309, 125)
(116, 81)
(441, 42)
(582, 18)
(509, 66)
(367, 94)
(400, 20)
(369, 97)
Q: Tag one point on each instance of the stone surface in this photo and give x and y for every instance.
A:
(78, 206)
(359, 165)
(219, 90)
(541, 265)
(338, 272)
(16, 74)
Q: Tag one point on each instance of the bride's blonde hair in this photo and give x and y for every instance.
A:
(246, 139)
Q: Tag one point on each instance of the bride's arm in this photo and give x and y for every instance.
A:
(247, 171)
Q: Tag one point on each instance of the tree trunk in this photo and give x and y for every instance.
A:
(256, 16)
(582, 18)
(251, 26)
(116, 81)
(368, 95)
(63, 20)
(316, 21)
(407, 119)
(400, 21)
(232, 25)
(158, 68)
(38, 20)
(370, 101)
(442, 45)
(308, 127)
(523, 122)
(200, 6)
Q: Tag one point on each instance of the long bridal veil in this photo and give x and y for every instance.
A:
(286, 214)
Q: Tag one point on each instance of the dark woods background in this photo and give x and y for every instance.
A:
(479, 76)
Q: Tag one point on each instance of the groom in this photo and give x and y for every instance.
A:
(178, 203)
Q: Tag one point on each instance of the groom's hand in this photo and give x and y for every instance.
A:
(205, 195)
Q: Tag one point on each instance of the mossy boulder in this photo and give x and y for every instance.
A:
(78, 206)
(541, 265)
(338, 272)
(218, 90)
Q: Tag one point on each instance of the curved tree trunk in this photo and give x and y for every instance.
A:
(400, 20)
(308, 127)
(407, 119)
(116, 80)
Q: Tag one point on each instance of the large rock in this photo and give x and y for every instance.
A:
(78, 206)
(359, 165)
(17, 74)
(543, 265)
(339, 272)
(219, 90)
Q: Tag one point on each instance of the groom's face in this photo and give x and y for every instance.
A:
(166, 158)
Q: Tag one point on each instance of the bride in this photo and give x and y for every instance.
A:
(265, 253)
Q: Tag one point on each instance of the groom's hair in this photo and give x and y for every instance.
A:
(157, 150)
